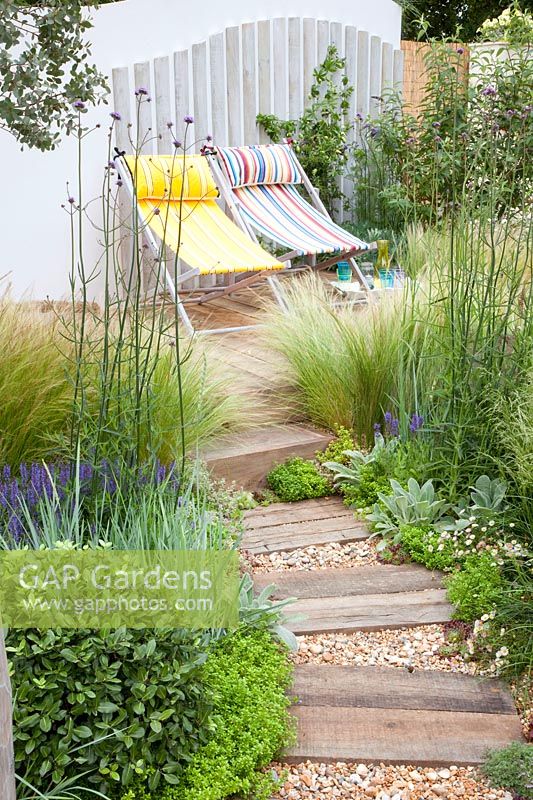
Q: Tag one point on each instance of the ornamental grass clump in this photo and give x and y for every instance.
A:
(346, 367)
(35, 393)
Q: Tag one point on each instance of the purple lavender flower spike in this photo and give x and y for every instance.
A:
(388, 417)
(413, 424)
(23, 469)
(15, 528)
(14, 494)
(395, 427)
(6, 472)
(377, 427)
(31, 496)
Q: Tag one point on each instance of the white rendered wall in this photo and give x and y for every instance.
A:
(35, 230)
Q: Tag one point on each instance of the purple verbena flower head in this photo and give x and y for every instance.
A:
(140, 91)
(436, 124)
(169, 125)
(209, 138)
(79, 105)
(71, 201)
(359, 116)
(176, 143)
(374, 132)
(460, 51)
(188, 119)
(115, 115)
(157, 211)
(489, 91)
(438, 139)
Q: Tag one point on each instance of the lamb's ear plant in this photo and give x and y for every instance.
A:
(350, 473)
(262, 610)
(416, 505)
(487, 495)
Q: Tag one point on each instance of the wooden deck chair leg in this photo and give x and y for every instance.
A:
(277, 291)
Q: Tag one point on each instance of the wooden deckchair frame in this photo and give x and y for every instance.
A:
(208, 293)
(234, 206)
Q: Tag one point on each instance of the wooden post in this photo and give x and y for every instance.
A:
(7, 762)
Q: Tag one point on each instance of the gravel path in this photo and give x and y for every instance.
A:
(418, 648)
(424, 648)
(363, 781)
(350, 554)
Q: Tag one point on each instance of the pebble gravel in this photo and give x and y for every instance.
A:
(406, 648)
(363, 781)
(336, 554)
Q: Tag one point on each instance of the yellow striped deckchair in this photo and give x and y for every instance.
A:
(175, 200)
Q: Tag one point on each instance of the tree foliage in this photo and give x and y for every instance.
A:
(445, 19)
(44, 69)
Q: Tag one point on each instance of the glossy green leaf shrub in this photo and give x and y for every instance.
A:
(140, 692)
(247, 674)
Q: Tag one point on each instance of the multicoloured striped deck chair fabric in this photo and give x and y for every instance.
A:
(176, 197)
(264, 180)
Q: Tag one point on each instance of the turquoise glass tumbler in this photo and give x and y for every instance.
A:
(386, 278)
(344, 271)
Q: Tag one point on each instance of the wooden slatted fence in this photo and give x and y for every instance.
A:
(257, 67)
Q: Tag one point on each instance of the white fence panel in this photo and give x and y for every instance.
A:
(258, 67)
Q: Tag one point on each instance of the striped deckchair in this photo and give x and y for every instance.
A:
(261, 188)
(175, 198)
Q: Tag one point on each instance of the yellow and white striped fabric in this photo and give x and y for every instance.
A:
(176, 196)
